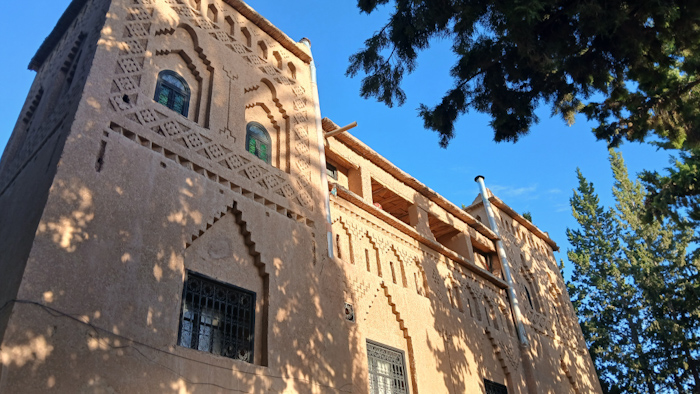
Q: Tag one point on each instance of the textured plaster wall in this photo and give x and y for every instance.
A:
(33, 153)
(143, 194)
(558, 348)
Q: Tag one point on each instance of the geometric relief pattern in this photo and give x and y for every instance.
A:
(217, 157)
(396, 258)
(38, 133)
(221, 180)
(507, 355)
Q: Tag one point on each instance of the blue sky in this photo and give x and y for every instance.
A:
(537, 174)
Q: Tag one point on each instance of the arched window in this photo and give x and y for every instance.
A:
(257, 141)
(173, 92)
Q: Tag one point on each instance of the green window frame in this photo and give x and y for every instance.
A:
(257, 141)
(173, 92)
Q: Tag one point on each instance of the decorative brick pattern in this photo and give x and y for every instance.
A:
(216, 157)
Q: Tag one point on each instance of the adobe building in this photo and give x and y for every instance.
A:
(177, 216)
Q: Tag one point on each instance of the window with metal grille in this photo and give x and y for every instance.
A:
(494, 388)
(217, 318)
(173, 92)
(387, 371)
(257, 141)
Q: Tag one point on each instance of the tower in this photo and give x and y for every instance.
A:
(166, 215)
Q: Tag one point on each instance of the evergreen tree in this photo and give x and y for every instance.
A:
(655, 285)
(606, 303)
(631, 67)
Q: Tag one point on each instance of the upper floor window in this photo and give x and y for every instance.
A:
(217, 318)
(331, 171)
(173, 92)
(257, 141)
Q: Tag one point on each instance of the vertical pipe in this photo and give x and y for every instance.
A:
(514, 304)
(321, 150)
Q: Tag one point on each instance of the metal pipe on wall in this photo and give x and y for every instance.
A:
(321, 149)
(514, 304)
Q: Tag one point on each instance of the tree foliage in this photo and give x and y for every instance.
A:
(636, 289)
(631, 67)
(676, 195)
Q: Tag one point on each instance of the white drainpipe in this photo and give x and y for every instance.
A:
(515, 306)
(321, 150)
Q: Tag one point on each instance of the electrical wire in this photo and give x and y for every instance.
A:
(58, 313)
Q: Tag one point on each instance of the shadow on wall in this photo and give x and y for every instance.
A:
(101, 305)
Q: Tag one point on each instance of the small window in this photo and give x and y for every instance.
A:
(387, 370)
(494, 388)
(173, 92)
(529, 298)
(257, 141)
(217, 318)
(331, 171)
(484, 259)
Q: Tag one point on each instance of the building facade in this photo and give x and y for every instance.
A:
(175, 218)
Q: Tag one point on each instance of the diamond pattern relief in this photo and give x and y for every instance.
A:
(254, 59)
(253, 172)
(129, 65)
(184, 11)
(136, 30)
(138, 13)
(303, 182)
(221, 36)
(238, 48)
(305, 199)
(299, 104)
(203, 23)
(284, 80)
(269, 70)
(271, 181)
(301, 131)
(302, 148)
(300, 117)
(214, 151)
(287, 191)
(194, 140)
(235, 162)
(119, 104)
(302, 165)
(133, 47)
(125, 84)
(208, 154)
(172, 128)
(147, 116)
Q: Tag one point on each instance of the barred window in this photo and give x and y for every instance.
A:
(217, 318)
(173, 92)
(387, 371)
(494, 388)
